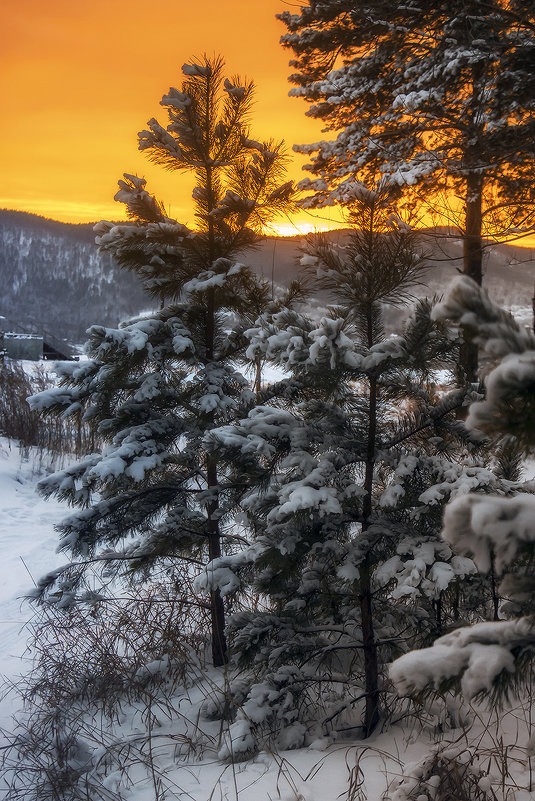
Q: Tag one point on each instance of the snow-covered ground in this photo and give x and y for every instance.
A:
(325, 771)
(27, 549)
(321, 773)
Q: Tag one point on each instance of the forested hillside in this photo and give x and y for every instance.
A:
(54, 280)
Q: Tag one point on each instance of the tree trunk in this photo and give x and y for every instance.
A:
(472, 263)
(371, 663)
(258, 376)
(217, 610)
(438, 612)
(494, 590)
(473, 253)
(217, 614)
(371, 667)
(472, 245)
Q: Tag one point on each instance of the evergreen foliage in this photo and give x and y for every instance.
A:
(439, 97)
(310, 509)
(359, 454)
(496, 531)
(155, 386)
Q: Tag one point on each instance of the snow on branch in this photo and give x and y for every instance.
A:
(510, 401)
(481, 525)
(196, 70)
(467, 304)
(179, 100)
(478, 653)
(138, 201)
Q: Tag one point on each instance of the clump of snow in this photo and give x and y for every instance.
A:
(477, 654)
(239, 743)
(427, 779)
(506, 381)
(179, 100)
(236, 92)
(299, 497)
(196, 70)
(481, 525)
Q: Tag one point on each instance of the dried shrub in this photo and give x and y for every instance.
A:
(447, 774)
(92, 664)
(55, 436)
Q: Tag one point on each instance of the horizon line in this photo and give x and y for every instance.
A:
(518, 241)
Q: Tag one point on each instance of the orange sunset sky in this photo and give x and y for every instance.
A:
(80, 78)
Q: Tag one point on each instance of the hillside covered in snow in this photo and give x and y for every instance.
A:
(55, 281)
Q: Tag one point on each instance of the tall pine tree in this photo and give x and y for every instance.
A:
(440, 97)
(357, 453)
(153, 388)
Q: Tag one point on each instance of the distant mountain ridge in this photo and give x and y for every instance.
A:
(54, 280)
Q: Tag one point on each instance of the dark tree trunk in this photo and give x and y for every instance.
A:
(438, 612)
(258, 376)
(472, 262)
(473, 252)
(219, 640)
(494, 591)
(217, 610)
(371, 664)
(371, 668)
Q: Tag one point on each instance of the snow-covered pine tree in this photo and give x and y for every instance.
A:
(359, 453)
(153, 388)
(496, 531)
(438, 96)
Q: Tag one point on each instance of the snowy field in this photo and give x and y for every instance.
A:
(27, 549)
(325, 771)
(27, 546)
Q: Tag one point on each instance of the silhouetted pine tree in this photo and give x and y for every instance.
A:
(438, 96)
